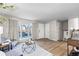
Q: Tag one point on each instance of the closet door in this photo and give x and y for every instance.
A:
(47, 31)
(41, 30)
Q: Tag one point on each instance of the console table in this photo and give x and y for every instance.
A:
(2, 47)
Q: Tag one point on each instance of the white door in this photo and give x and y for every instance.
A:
(41, 30)
(47, 31)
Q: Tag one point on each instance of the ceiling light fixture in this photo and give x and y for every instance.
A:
(6, 6)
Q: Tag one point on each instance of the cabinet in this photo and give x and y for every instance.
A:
(52, 30)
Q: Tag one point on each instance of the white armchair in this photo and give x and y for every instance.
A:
(14, 43)
(2, 53)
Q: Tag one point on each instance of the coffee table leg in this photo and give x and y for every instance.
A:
(8, 47)
(1, 49)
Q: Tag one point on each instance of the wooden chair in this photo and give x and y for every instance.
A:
(72, 42)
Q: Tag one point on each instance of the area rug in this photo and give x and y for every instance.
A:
(17, 51)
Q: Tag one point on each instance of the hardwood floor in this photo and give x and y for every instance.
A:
(55, 47)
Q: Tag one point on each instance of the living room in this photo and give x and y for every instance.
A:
(36, 30)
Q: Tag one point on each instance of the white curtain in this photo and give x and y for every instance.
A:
(13, 29)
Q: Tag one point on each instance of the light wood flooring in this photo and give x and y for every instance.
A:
(55, 47)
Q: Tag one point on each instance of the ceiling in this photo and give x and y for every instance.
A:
(45, 12)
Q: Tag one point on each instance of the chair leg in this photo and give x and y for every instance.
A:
(67, 50)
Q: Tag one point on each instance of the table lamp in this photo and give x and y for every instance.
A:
(1, 32)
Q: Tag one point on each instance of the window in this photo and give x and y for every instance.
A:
(25, 31)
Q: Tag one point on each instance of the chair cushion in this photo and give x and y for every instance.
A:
(2, 53)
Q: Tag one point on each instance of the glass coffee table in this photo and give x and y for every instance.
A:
(28, 47)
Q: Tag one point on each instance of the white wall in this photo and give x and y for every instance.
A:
(37, 28)
(73, 23)
(35, 31)
(5, 27)
(13, 33)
